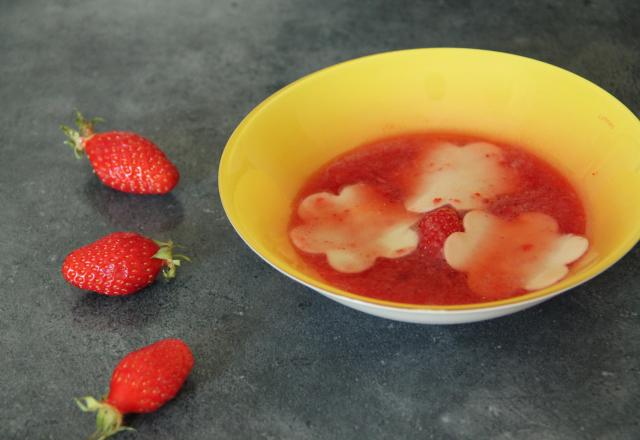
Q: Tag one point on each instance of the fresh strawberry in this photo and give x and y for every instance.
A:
(122, 160)
(142, 382)
(120, 263)
(436, 226)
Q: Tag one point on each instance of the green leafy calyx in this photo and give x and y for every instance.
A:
(108, 418)
(77, 138)
(172, 261)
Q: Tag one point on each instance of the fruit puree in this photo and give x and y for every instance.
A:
(362, 221)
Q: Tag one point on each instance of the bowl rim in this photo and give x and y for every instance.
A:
(536, 296)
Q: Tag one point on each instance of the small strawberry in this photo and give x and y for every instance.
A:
(122, 160)
(436, 226)
(120, 263)
(142, 382)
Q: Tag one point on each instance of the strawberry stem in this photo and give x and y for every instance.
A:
(108, 418)
(77, 138)
(172, 261)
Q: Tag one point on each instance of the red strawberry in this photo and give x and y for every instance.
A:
(122, 160)
(120, 263)
(142, 382)
(436, 226)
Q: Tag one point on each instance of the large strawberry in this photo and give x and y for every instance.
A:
(142, 382)
(120, 263)
(122, 160)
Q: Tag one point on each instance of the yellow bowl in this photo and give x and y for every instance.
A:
(592, 138)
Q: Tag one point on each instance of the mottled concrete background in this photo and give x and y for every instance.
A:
(275, 360)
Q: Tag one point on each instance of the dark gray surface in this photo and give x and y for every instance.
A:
(275, 360)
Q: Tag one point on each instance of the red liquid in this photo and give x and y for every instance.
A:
(392, 166)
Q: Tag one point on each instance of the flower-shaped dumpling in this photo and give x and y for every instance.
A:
(354, 228)
(503, 256)
(462, 176)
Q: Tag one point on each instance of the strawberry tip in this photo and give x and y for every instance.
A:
(108, 418)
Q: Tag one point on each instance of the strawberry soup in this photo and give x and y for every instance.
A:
(438, 219)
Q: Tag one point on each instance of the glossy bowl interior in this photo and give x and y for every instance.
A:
(591, 137)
